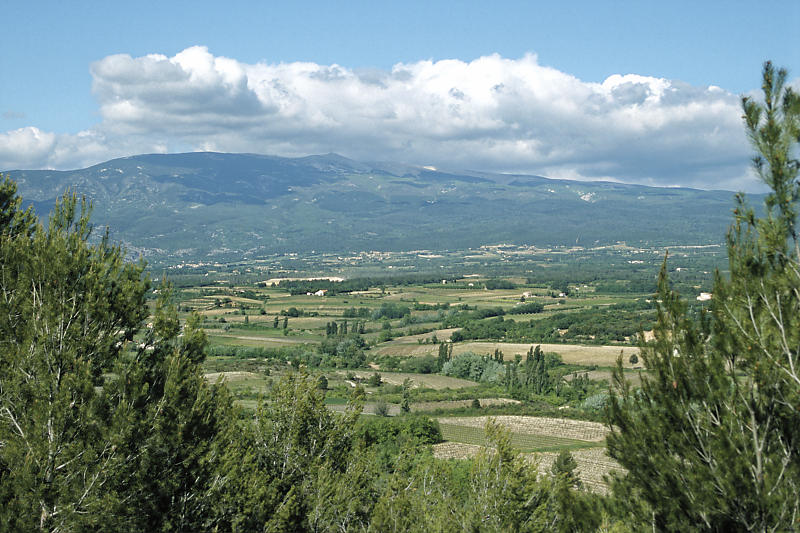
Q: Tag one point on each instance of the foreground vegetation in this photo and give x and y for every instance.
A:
(237, 407)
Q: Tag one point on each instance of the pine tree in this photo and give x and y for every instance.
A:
(292, 465)
(13, 221)
(711, 442)
(97, 431)
(67, 310)
(167, 421)
(565, 466)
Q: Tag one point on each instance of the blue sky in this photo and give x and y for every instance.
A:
(57, 110)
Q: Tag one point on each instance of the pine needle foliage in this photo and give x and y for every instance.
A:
(106, 422)
(711, 441)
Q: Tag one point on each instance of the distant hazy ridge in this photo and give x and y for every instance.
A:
(211, 205)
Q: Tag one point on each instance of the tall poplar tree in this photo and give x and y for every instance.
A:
(66, 312)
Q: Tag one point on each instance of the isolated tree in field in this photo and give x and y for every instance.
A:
(405, 404)
(712, 440)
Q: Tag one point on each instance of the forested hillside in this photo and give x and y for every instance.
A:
(229, 206)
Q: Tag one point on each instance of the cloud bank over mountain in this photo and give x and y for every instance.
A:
(492, 113)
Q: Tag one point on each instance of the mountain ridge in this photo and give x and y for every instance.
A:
(222, 205)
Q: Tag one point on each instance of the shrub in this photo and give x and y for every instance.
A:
(475, 367)
(382, 409)
(417, 429)
(374, 380)
(419, 365)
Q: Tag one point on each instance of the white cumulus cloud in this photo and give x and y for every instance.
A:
(491, 114)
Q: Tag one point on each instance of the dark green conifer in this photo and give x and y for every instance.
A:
(711, 442)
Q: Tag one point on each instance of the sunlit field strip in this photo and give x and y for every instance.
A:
(522, 442)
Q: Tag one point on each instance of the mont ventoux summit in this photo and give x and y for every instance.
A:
(225, 206)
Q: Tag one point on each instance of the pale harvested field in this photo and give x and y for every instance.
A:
(199, 303)
(231, 377)
(535, 425)
(441, 334)
(633, 376)
(250, 337)
(455, 404)
(265, 342)
(432, 381)
(406, 349)
(592, 463)
(261, 319)
(455, 450)
(217, 311)
(578, 354)
(524, 442)
(395, 410)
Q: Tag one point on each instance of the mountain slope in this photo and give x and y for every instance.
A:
(200, 205)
